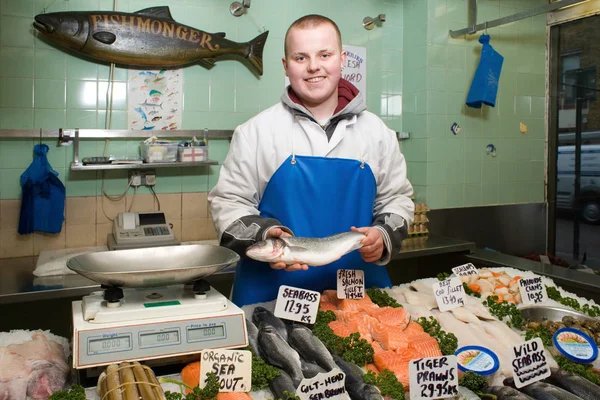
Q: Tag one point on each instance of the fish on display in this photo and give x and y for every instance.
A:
(261, 317)
(252, 337)
(466, 394)
(312, 349)
(543, 391)
(281, 384)
(310, 251)
(277, 352)
(309, 369)
(575, 384)
(146, 38)
(355, 385)
(506, 393)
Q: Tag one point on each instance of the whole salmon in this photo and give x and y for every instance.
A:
(146, 38)
(312, 251)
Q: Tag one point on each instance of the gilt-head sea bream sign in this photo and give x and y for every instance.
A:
(146, 38)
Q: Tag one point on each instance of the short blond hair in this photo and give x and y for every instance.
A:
(311, 21)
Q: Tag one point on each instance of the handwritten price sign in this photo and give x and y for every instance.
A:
(529, 362)
(297, 304)
(433, 378)
(532, 290)
(449, 294)
(350, 284)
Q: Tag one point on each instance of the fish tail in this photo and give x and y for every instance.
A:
(256, 51)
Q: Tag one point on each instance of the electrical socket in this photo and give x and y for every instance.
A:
(150, 179)
(135, 178)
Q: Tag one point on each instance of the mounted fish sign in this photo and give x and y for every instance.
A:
(146, 38)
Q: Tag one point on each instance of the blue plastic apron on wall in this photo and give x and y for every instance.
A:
(43, 199)
(484, 87)
(314, 197)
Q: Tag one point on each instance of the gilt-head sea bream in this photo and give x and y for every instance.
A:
(146, 38)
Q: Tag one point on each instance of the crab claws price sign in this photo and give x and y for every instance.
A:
(433, 378)
(297, 304)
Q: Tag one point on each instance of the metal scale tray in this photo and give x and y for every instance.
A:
(155, 266)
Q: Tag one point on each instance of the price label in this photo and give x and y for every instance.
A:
(433, 377)
(297, 304)
(350, 284)
(465, 270)
(532, 291)
(330, 385)
(529, 362)
(232, 367)
(545, 260)
(449, 294)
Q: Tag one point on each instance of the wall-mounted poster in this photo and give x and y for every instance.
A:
(155, 99)
(355, 68)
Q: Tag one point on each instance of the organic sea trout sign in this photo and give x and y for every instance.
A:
(297, 304)
(232, 367)
(350, 284)
(330, 385)
(433, 377)
(529, 362)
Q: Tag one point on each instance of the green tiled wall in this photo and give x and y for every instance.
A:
(453, 170)
(42, 86)
(417, 79)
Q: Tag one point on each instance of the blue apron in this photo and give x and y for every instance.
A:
(314, 197)
(43, 196)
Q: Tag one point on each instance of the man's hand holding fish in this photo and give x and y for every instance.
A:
(278, 232)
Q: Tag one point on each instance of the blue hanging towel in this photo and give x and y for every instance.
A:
(485, 82)
(43, 200)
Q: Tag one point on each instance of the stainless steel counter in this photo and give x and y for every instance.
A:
(18, 284)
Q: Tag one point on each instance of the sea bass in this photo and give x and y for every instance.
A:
(261, 317)
(506, 393)
(541, 390)
(312, 251)
(312, 349)
(278, 353)
(146, 38)
(575, 384)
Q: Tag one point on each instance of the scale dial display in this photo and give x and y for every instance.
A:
(109, 345)
(205, 333)
(165, 338)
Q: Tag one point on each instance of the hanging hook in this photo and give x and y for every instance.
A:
(40, 135)
(485, 31)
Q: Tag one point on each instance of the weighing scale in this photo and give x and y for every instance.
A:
(155, 304)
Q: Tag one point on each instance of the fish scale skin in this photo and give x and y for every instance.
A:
(575, 384)
(312, 349)
(312, 251)
(279, 353)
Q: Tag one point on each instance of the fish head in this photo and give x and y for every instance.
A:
(66, 28)
(269, 250)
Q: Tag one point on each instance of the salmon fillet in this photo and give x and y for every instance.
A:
(391, 316)
(425, 346)
(413, 327)
(373, 368)
(233, 396)
(356, 304)
(340, 329)
(393, 362)
(327, 306)
(390, 337)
